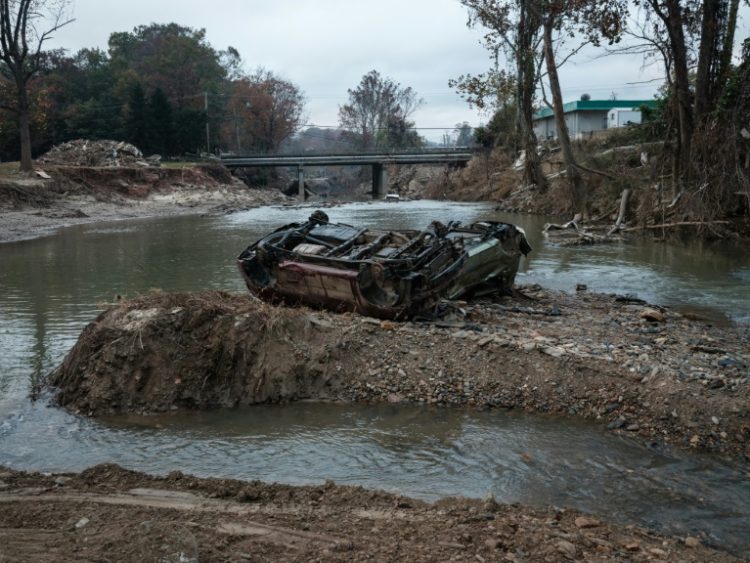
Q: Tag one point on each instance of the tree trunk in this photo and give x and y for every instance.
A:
(674, 20)
(707, 54)
(528, 26)
(24, 128)
(725, 57)
(563, 136)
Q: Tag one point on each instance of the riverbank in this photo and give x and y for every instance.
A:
(625, 182)
(630, 367)
(107, 512)
(31, 207)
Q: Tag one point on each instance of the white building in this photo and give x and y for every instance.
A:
(586, 116)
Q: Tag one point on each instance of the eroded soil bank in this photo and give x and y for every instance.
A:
(631, 367)
(107, 513)
(72, 195)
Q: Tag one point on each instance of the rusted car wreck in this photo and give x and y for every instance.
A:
(385, 274)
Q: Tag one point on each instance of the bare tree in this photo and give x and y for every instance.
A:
(514, 26)
(25, 25)
(710, 25)
(591, 21)
(378, 112)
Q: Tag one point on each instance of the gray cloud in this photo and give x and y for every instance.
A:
(325, 46)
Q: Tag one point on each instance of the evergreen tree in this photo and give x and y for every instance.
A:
(189, 131)
(161, 124)
(137, 119)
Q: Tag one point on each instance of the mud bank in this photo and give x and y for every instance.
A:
(109, 513)
(34, 207)
(633, 368)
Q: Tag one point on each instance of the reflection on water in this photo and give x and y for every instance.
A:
(424, 452)
(51, 287)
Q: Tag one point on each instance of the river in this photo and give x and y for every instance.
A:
(51, 287)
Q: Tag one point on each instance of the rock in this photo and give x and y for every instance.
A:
(652, 315)
(493, 543)
(658, 552)
(490, 504)
(586, 522)
(715, 420)
(60, 481)
(617, 423)
(395, 398)
(554, 351)
(690, 541)
(633, 427)
(581, 287)
(82, 523)
(633, 546)
(567, 549)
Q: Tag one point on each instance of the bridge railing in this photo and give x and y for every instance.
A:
(366, 152)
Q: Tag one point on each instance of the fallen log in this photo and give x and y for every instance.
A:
(677, 224)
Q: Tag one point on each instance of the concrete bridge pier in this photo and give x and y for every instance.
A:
(301, 181)
(379, 180)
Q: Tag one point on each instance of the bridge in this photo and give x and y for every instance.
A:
(378, 161)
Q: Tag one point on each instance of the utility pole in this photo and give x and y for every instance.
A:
(237, 130)
(208, 130)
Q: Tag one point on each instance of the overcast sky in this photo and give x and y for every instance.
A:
(325, 46)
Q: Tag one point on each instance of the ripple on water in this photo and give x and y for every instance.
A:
(422, 452)
(49, 290)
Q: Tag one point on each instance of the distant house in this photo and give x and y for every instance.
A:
(586, 116)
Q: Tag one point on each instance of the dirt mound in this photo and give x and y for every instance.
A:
(107, 513)
(105, 154)
(633, 368)
(194, 351)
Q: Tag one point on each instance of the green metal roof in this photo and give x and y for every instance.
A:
(595, 105)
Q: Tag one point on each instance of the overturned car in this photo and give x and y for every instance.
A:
(385, 274)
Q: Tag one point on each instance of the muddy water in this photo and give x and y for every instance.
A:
(423, 452)
(51, 287)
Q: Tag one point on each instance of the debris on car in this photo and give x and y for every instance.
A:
(392, 274)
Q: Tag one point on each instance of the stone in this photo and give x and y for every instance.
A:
(82, 523)
(554, 351)
(490, 504)
(586, 522)
(633, 546)
(493, 543)
(567, 549)
(653, 316)
(658, 552)
(617, 423)
(690, 541)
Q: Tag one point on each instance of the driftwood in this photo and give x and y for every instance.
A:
(621, 217)
(592, 171)
(677, 224)
(677, 198)
(604, 215)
